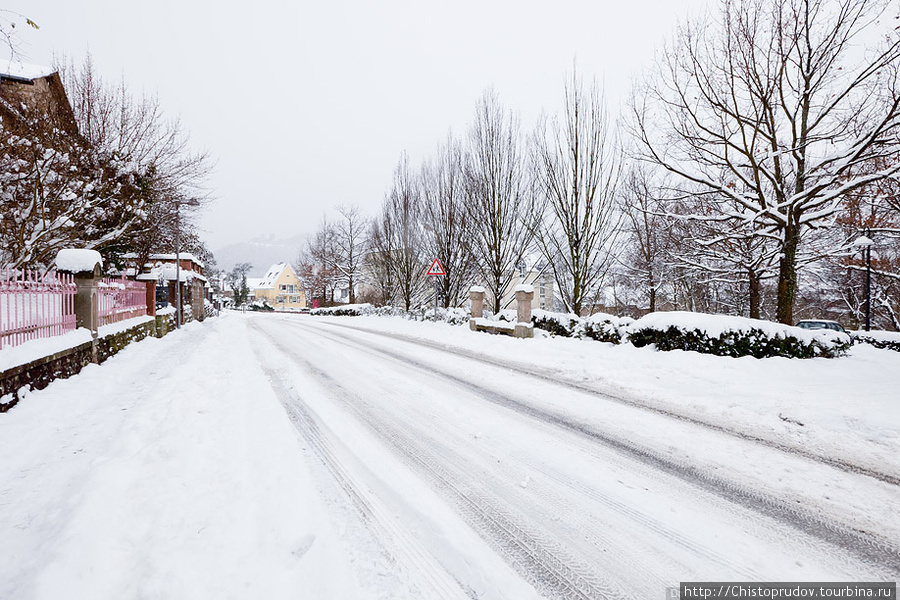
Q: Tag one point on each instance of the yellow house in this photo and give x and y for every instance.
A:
(281, 288)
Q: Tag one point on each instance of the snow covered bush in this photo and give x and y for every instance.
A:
(452, 316)
(261, 304)
(561, 324)
(600, 326)
(344, 310)
(888, 340)
(605, 328)
(734, 336)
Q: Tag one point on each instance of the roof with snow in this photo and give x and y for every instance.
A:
(167, 257)
(14, 69)
(271, 276)
(168, 272)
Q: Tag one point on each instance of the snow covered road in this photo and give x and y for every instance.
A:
(319, 458)
(583, 500)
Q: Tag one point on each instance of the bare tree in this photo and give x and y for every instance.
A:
(11, 23)
(447, 232)
(315, 265)
(500, 206)
(649, 248)
(379, 259)
(768, 110)
(577, 170)
(349, 235)
(402, 213)
(141, 141)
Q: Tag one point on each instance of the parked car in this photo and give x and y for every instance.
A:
(820, 324)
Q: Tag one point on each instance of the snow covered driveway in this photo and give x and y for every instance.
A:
(288, 456)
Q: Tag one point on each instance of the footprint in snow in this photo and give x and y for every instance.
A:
(305, 544)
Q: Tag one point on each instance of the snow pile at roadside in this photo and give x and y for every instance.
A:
(152, 477)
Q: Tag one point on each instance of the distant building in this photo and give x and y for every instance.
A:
(280, 287)
(530, 271)
(194, 285)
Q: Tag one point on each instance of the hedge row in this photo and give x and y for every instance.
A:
(599, 327)
(734, 336)
(720, 335)
(887, 340)
(453, 316)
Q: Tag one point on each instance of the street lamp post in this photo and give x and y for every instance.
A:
(865, 243)
(178, 307)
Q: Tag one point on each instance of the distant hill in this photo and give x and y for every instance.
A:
(261, 252)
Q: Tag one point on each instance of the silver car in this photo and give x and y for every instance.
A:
(820, 324)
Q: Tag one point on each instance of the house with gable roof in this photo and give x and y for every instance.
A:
(280, 287)
(34, 89)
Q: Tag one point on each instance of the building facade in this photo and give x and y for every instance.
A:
(280, 288)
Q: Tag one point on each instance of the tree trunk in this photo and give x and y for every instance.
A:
(755, 294)
(787, 275)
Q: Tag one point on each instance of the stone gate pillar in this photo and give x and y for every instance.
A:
(84, 265)
(476, 297)
(524, 299)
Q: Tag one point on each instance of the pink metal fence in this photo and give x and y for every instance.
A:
(121, 299)
(35, 305)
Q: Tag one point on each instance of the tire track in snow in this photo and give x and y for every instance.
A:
(868, 547)
(400, 545)
(539, 559)
(550, 377)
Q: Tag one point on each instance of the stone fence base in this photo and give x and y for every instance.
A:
(522, 329)
(39, 373)
(519, 330)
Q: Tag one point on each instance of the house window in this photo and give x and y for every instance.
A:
(295, 299)
(279, 300)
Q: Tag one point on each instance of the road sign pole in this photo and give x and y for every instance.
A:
(436, 270)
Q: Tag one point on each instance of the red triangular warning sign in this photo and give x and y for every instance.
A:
(436, 268)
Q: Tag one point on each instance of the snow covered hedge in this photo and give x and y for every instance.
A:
(734, 336)
(453, 316)
(888, 340)
(344, 310)
(600, 326)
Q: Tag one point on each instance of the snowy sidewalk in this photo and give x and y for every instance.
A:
(152, 476)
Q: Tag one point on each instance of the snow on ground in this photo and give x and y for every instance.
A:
(148, 477)
(170, 472)
(849, 407)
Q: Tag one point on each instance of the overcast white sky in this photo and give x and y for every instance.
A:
(307, 105)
